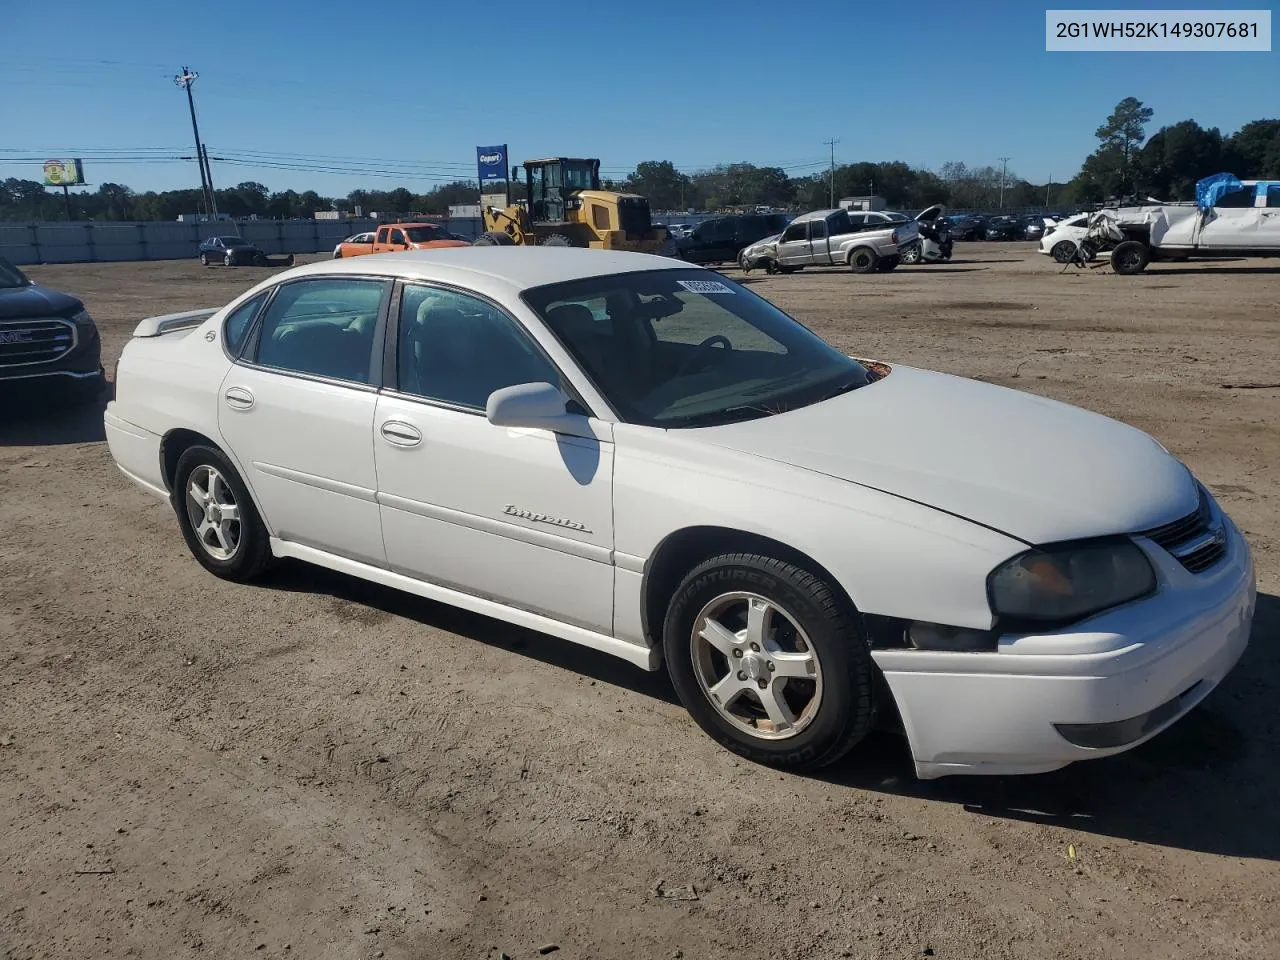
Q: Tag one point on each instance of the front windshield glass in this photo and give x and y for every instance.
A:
(423, 234)
(577, 176)
(686, 348)
(11, 276)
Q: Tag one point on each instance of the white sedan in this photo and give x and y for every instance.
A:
(1061, 239)
(648, 459)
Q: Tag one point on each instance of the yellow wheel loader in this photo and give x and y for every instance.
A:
(565, 207)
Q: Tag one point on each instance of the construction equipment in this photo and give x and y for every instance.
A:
(565, 207)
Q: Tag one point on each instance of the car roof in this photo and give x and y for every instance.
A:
(517, 268)
(820, 214)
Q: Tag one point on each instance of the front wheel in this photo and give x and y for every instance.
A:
(911, 253)
(204, 259)
(1130, 257)
(770, 661)
(217, 516)
(1063, 251)
(227, 261)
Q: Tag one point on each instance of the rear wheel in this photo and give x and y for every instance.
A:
(217, 516)
(863, 260)
(1130, 257)
(557, 240)
(770, 661)
(494, 238)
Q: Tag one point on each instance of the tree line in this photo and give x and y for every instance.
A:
(1126, 163)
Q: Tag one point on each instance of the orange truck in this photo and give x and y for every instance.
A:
(392, 237)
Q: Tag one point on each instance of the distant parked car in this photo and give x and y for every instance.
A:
(721, 240)
(47, 339)
(1034, 228)
(358, 239)
(967, 227)
(238, 252)
(1003, 228)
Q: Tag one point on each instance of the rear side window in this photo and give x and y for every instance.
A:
(1237, 198)
(322, 327)
(1273, 195)
(236, 327)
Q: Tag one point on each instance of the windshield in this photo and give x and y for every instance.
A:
(577, 176)
(423, 234)
(684, 348)
(11, 276)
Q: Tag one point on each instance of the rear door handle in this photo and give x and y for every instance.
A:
(401, 434)
(238, 398)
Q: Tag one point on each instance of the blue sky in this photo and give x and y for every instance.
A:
(414, 87)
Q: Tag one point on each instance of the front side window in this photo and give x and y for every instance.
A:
(397, 236)
(322, 327)
(1237, 198)
(1273, 195)
(797, 231)
(458, 349)
(236, 327)
(682, 348)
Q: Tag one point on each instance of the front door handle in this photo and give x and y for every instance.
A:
(238, 398)
(401, 434)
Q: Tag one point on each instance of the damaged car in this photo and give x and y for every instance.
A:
(646, 458)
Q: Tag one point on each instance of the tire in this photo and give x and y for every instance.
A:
(495, 238)
(227, 261)
(885, 264)
(862, 260)
(1063, 251)
(204, 259)
(250, 551)
(832, 706)
(911, 253)
(1130, 257)
(557, 240)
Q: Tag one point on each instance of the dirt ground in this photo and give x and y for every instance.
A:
(315, 767)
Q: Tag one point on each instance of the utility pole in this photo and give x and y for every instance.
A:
(832, 145)
(1046, 190)
(1004, 166)
(208, 176)
(185, 80)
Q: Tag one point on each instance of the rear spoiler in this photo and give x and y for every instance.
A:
(167, 323)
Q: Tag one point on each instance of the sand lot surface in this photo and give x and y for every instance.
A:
(315, 767)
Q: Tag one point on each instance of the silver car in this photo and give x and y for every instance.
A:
(831, 237)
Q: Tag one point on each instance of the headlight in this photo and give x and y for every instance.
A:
(1069, 582)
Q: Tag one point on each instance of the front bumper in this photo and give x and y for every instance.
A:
(1095, 689)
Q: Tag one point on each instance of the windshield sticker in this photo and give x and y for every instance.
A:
(704, 286)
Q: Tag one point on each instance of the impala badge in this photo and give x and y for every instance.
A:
(514, 511)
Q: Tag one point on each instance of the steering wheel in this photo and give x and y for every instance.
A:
(702, 352)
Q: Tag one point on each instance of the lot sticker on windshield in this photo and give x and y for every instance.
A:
(704, 286)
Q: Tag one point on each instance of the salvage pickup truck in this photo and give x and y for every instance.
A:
(391, 237)
(1230, 217)
(830, 237)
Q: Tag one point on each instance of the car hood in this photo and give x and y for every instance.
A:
(35, 301)
(1037, 469)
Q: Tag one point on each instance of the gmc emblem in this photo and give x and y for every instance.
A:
(15, 336)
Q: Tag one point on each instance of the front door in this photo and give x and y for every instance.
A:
(297, 414)
(793, 245)
(1233, 221)
(520, 516)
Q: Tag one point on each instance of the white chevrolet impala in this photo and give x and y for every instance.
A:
(648, 459)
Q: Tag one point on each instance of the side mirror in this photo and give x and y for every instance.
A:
(527, 405)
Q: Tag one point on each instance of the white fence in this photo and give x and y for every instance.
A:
(27, 243)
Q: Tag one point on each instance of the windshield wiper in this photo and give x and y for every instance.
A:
(843, 388)
(745, 411)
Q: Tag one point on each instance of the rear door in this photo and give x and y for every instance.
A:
(296, 411)
(1269, 216)
(793, 245)
(819, 245)
(1232, 223)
